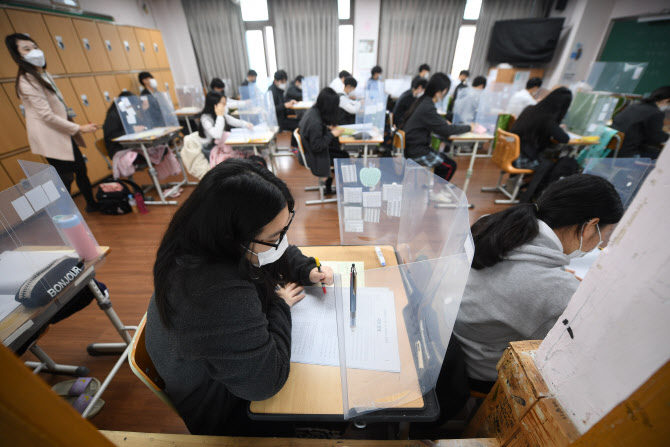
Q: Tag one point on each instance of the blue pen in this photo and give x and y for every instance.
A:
(352, 297)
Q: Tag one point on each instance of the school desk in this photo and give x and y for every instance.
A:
(302, 105)
(262, 141)
(314, 392)
(476, 138)
(23, 323)
(155, 137)
(375, 140)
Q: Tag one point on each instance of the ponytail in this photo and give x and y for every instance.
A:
(571, 201)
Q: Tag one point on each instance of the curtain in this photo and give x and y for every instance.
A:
(413, 32)
(217, 31)
(306, 37)
(492, 11)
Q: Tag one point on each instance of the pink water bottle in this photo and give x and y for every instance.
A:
(77, 236)
(140, 203)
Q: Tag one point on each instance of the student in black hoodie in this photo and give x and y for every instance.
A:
(642, 124)
(294, 91)
(423, 120)
(278, 88)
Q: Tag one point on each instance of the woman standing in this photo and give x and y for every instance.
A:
(51, 132)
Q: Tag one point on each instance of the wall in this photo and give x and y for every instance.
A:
(589, 26)
(619, 314)
(366, 27)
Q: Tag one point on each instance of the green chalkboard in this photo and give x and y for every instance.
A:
(630, 41)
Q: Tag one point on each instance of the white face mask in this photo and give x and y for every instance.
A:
(420, 94)
(426, 76)
(665, 108)
(35, 57)
(579, 253)
(282, 86)
(153, 83)
(272, 255)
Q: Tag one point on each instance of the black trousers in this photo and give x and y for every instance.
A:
(69, 170)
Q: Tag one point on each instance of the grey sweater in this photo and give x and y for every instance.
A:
(224, 347)
(517, 299)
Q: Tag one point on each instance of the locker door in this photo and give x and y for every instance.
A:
(90, 99)
(32, 23)
(113, 46)
(11, 164)
(144, 40)
(8, 87)
(8, 67)
(166, 84)
(94, 49)
(129, 82)
(109, 88)
(159, 48)
(11, 128)
(131, 47)
(67, 43)
(5, 181)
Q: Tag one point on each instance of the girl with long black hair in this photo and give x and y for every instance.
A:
(422, 120)
(213, 119)
(218, 331)
(51, 131)
(518, 285)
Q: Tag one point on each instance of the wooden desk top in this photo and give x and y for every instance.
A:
(348, 139)
(317, 389)
(21, 315)
(471, 136)
(256, 141)
(187, 111)
(302, 105)
(147, 136)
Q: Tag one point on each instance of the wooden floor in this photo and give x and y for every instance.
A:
(134, 238)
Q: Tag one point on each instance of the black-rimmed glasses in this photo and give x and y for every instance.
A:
(281, 235)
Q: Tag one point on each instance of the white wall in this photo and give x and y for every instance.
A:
(619, 315)
(366, 27)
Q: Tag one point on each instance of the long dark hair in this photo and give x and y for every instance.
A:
(534, 122)
(437, 83)
(24, 66)
(573, 200)
(226, 211)
(657, 95)
(328, 105)
(211, 100)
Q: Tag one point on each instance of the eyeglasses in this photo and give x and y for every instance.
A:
(281, 235)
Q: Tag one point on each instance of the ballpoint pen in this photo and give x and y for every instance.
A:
(318, 266)
(352, 297)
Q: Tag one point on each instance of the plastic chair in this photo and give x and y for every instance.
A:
(143, 366)
(507, 149)
(102, 148)
(399, 143)
(322, 180)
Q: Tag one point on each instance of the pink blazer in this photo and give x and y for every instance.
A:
(49, 130)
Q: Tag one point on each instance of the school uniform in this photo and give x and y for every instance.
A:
(418, 129)
(153, 114)
(213, 127)
(519, 298)
(402, 106)
(348, 109)
(229, 343)
(293, 92)
(642, 124)
(337, 85)
(284, 122)
(465, 109)
(519, 101)
(535, 141)
(458, 88)
(319, 144)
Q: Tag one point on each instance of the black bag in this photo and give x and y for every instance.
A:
(117, 202)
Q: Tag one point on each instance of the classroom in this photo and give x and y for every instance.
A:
(335, 222)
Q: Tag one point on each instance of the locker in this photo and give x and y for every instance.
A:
(109, 88)
(159, 48)
(144, 40)
(90, 99)
(97, 166)
(166, 84)
(13, 131)
(113, 46)
(67, 43)
(131, 47)
(11, 164)
(8, 67)
(8, 87)
(5, 181)
(94, 48)
(32, 23)
(129, 82)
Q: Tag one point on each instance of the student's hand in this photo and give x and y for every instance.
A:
(139, 128)
(324, 276)
(291, 293)
(290, 103)
(88, 128)
(250, 126)
(574, 273)
(336, 131)
(145, 103)
(219, 109)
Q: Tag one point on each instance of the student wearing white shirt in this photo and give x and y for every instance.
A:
(349, 107)
(338, 83)
(213, 119)
(218, 86)
(465, 107)
(524, 98)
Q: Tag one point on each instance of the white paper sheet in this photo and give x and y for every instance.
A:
(51, 191)
(344, 269)
(349, 174)
(373, 345)
(392, 191)
(7, 305)
(372, 199)
(23, 208)
(353, 212)
(37, 198)
(353, 226)
(353, 195)
(393, 208)
(372, 215)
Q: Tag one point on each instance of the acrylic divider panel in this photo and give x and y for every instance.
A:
(616, 77)
(144, 113)
(310, 88)
(373, 110)
(626, 174)
(191, 97)
(589, 110)
(492, 103)
(167, 109)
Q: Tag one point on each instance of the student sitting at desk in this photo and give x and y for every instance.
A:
(217, 330)
(406, 100)
(524, 98)
(277, 88)
(539, 124)
(113, 127)
(375, 78)
(422, 120)
(320, 135)
(424, 71)
(338, 83)
(251, 78)
(465, 107)
(218, 86)
(462, 83)
(348, 107)
(152, 109)
(518, 285)
(642, 125)
(294, 91)
(213, 119)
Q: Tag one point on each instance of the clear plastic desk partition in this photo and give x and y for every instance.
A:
(257, 108)
(40, 228)
(310, 88)
(626, 174)
(492, 103)
(617, 77)
(588, 111)
(391, 350)
(139, 113)
(373, 110)
(191, 97)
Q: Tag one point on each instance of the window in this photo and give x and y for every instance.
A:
(344, 9)
(270, 45)
(466, 37)
(345, 37)
(254, 10)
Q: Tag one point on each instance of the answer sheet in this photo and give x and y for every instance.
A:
(373, 345)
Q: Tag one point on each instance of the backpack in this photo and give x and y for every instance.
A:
(117, 202)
